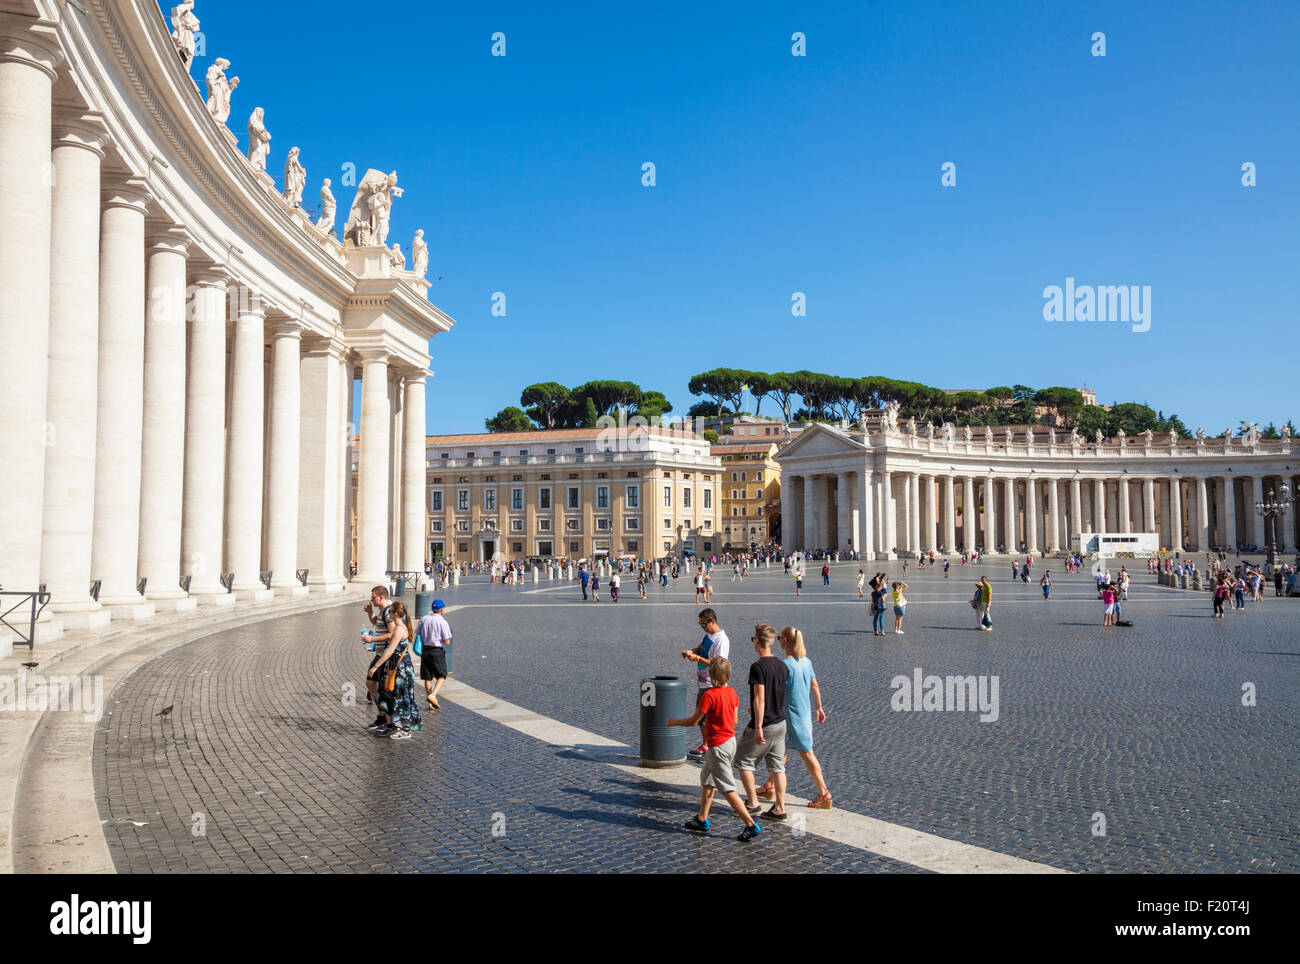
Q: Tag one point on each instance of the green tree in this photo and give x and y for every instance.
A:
(546, 401)
(1066, 402)
(1133, 418)
(589, 413)
(711, 436)
(1091, 418)
(706, 410)
(608, 396)
(509, 419)
(723, 385)
(652, 405)
(781, 389)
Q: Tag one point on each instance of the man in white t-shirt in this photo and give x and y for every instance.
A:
(434, 633)
(714, 643)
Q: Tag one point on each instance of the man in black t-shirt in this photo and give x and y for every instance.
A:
(763, 741)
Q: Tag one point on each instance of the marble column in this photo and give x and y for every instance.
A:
(1202, 515)
(203, 502)
(809, 512)
(1076, 507)
(69, 515)
(323, 444)
(991, 539)
(866, 522)
(27, 70)
(162, 454)
(116, 546)
(1286, 543)
(1149, 505)
(373, 471)
(1031, 516)
(1125, 509)
(970, 516)
(285, 455)
(788, 531)
(930, 542)
(904, 517)
(1099, 505)
(844, 506)
(413, 481)
(1175, 515)
(1260, 537)
(245, 453)
(1053, 515)
(1227, 534)
(888, 526)
(914, 512)
(1009, 514)
(949, 514)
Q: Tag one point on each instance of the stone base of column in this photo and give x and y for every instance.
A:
(175, 604)
(141, 609)
(887, 555)
(372, 579)
(217, 599)
(290, 591)
(96, 618)
(254, 595)
(326, 586)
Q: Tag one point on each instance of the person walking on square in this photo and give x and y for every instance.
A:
(584, 577)
(878, 593)
(1046, 583)
(714, 643)
(798, 581)
(435, 636)
(826, 573)
(1108, 605)
(640, 582)
(862, 579)
(900, 606)
(380, 613)
(718, 713)
(803, 700)
(763, 742)
(984, 603)
(614, 582)
(945, 569)
(595, 586)
(397, 707)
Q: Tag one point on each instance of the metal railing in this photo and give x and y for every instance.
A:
(352, 572)
(185, 583)
(302, 575)
(94, 589)
(36, 600)
(139, 586)
(265, 577)
(227, 579)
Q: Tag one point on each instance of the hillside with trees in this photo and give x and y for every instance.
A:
(549, 405)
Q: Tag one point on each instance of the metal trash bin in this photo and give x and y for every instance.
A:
(423, 604)
(662, 698)
(399, 586)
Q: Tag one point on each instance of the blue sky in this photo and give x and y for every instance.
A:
(818, 174)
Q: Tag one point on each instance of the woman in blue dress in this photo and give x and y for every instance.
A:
(399, 707)
(803, 698)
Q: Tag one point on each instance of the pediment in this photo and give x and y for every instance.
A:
(820, 440)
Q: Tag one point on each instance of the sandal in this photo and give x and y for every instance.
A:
(823, 802)
(771, 814)
(767, 792)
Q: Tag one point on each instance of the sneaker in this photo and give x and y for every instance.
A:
(756, 808)
(696, 824)
(750, 832)
(898, 632)
(699, 751)
(771, 814)
(379, 724)
(400, 735)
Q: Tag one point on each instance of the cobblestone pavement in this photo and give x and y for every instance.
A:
(1142, 725)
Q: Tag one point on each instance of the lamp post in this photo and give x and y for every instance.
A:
(1275, 508)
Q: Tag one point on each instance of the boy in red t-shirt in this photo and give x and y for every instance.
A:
(719, 707)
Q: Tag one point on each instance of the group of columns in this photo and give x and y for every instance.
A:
(140, 439)
(920, 512)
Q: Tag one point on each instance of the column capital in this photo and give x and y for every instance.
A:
(327, 345)
(247, 299)
(128, 192)
(80, 128)
(30, 41)
(165, 236)
(368, 355)
(208, 275)
(284, 327)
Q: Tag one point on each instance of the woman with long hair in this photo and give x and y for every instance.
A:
(398, 706)
(803, 697)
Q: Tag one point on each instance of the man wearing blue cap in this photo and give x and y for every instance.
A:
(435, 636)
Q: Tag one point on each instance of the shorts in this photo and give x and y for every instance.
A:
(1110, 609)
(717, 767)
(750, 755)
(900, 610)
(433, 663)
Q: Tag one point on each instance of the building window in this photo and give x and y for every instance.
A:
(490, 500)
(544, 549)
(572, 524)
(742, 477)
(631, 545)
(523, 452)
(573, 546)
(435, 501)
(686, 475)
(602, 475)
(686, 498)
(733, 476)
(462, 547)
(573, 475)
(546, 477)
(668, 496)
(462, 525)
(462, 500)
(633, 524)
(735, 510)
(443, 455)
(516, 547)
(633, 496)
(603, 525)
(578, 450)
(463, 478)
(435, 525)
(758, 511)
(437, 481)
(496, 455)
(436, 550)
(544, 525)
(758, 476)
(602, 497)
(516, 498)
(516, 525)
(707, 525)
(708, 498)
(544, 499)
(469, 455)
(668, 523)
(668, 546)
(573, 497)
(634, 475)
(686, 523)
(516, 478)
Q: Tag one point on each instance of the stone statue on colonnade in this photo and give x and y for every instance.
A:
(184, 26)
(259, 139)
(327, 207)
(295, 178)
(367, 222)
(399, 259)
(419, 254)
(889, 421)
(219, 90)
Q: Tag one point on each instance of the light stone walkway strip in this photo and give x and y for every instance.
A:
(914, 847)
